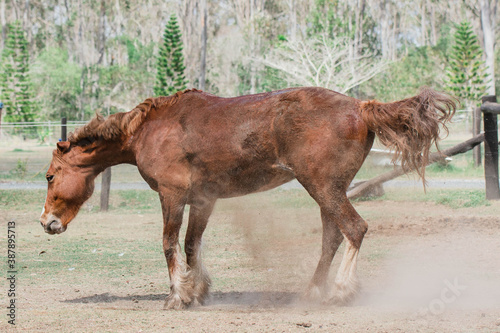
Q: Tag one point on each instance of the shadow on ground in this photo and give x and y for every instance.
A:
(248, 298)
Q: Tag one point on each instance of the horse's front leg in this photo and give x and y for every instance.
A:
(199, 212)
(181, 283)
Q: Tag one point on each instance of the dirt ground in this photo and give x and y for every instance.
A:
(423, 268)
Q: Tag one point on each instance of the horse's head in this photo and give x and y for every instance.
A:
(70, 183)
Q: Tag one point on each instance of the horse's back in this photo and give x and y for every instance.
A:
(235, 146)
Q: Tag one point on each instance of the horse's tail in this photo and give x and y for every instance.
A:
(411, 126)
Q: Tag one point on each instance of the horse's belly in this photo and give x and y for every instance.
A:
(235, 183)
(259, 183)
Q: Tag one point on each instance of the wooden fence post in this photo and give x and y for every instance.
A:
(476, 129)
(64, 130)
(105, 186)
(490, 109)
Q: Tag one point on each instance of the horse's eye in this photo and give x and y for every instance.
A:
(49, 178)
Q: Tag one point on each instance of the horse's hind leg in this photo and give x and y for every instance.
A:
(340, 220)
(353, 228)
(332, 237)
(199, 213)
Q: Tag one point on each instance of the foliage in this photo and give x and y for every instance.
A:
(58, 83)
(466, 72)
(170, 74)
(419, 67)
(327, 17)
(21, 169)
(16, 92)
(67, 89)
(43, 133)
(100, 56)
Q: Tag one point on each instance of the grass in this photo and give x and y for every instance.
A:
(22, 199)
(138, 200)
(453, 198)
(459, 198)
(110, 257)
(20, 150)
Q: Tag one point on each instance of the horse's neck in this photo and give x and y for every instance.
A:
(108, 154)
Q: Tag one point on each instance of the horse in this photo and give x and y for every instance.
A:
(194, 148)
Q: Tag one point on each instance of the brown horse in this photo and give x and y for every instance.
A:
(193, 148)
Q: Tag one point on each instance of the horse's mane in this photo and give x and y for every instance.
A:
(122, 123)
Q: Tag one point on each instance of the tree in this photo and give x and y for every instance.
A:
(15, 83)
(170, 75)
(467, 72)
(324, 62)
(488, 25)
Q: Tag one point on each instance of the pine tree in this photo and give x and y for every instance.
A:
(15, 84)
(466, 74)
(170, 76)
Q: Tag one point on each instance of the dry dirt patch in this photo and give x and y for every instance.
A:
(107, 272)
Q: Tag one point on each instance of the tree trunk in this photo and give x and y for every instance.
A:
(423, 24)
(203, 60)
(293, 19)
(488, 27)
(27, 24)
(101, 38)
(358, 34)
(394, 42)
(3, 22)
(434, 36)
(16, 9)
(384, 29)
(253, 71)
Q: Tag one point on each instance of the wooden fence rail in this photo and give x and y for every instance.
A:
(362, 188)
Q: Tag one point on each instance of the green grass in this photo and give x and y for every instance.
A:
(460, 198)
(454, 198)
(19, 150)
(22, 199)
(144, 200)
(110, 257)
(294, 198)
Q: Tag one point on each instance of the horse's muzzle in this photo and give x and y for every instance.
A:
(54, 226)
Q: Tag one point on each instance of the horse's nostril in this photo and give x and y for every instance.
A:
(48, 225)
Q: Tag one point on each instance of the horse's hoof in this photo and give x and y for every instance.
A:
(345, 293)
(201, 291)
(313, 294)
(201, 299)
(174, 302)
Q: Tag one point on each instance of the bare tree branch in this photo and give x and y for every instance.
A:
(323, 62)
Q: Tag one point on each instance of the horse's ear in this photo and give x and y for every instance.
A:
(63, 146)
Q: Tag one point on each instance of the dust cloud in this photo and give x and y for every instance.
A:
(454, 266)
(455, 270)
